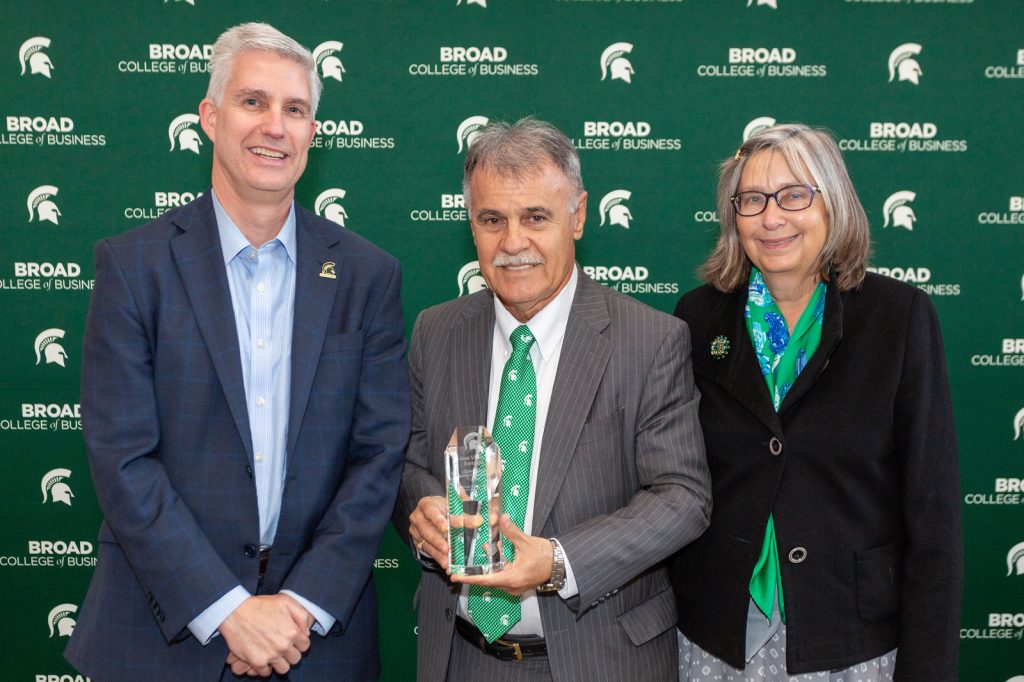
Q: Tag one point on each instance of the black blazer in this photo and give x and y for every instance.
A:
(859, 468)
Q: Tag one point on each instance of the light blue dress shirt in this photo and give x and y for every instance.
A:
(262, 284)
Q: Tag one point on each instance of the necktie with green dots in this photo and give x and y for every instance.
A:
(494, 611)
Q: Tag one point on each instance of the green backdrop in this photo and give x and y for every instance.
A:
(95, 137)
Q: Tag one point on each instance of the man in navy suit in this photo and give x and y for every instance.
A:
(245, 409)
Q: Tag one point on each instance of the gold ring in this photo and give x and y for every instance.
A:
(419, 544)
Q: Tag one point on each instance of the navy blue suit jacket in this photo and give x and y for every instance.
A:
(167, 433)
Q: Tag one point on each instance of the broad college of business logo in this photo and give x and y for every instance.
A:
(55, 487)
(41, 206)
(898, 211)
(33, 59)
(47, 347)
(327, 61)
(613, 208)
(902, 63)
(614, 63)
(328, 205)
(757, 125)
(470, 279)
(467, 131)
(60, 620)
(182, 135)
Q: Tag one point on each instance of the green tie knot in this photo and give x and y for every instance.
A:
(521, 339)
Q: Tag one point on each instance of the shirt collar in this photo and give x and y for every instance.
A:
(233, 242)
(548, 325)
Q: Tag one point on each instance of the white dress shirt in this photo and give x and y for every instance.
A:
(262, 287)
(548, 328)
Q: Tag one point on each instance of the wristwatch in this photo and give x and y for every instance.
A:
(557, 579)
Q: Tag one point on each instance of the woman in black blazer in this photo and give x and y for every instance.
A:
(835, 538)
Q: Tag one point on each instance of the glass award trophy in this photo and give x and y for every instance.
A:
(473, 472)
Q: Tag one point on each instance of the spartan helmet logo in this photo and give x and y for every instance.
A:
(898, 211)
(60, 618)
(31, 54)
(327, 205)
(180, 131)
(482, 3)
(39, 204)
(1015, 560)
(1018, 424)
(468, 130)
(329, 65)
(902, 62)
(54, 487)
(770, 3)
(47, 347)
(757, 125)
(613, 58)
(470, 280)
(614, 210)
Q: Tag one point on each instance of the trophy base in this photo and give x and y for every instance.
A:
(477, 570)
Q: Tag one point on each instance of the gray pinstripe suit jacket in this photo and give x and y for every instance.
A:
(622, 484)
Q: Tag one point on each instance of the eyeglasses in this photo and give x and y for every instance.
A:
(791, 198)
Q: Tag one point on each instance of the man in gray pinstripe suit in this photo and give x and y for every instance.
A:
(618, 479)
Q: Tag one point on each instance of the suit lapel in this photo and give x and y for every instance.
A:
(314, 296)
(738, 372)
(200, 261)
(469, 363)
(585, 354)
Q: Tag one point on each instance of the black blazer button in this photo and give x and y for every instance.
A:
(775, 446)
(797, 555)
(250, 551)
(448, 615)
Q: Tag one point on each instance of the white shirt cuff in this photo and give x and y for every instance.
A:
(204, 626)
(324, 620)
(570, 589)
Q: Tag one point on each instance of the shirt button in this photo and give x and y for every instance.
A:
(262, 343)
(258, 457)
(252, 254)
(260, 402)
(261, 287)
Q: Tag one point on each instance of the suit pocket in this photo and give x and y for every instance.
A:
(602, 429)
(650, 618)
(878, 583)
(338, 343)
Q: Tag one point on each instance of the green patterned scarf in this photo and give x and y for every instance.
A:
(781, 356)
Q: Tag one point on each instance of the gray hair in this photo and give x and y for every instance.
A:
(517, 150)
(258, 36)
(807, 150)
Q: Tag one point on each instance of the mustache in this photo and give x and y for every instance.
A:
(505, 260)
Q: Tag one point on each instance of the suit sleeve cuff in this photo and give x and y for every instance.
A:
(324, 620)
(569, 589)
(204, 626)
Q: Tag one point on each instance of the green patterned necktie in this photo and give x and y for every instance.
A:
(494, 611)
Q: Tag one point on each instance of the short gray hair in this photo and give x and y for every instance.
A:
(258, 36)
(848, 243)
(517, 150)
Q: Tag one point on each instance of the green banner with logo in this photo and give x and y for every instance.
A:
(99, 133)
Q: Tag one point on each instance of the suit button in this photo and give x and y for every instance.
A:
(250, 551)
(248, 470)
(448, 615)
(797, 555)
(775, 446)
